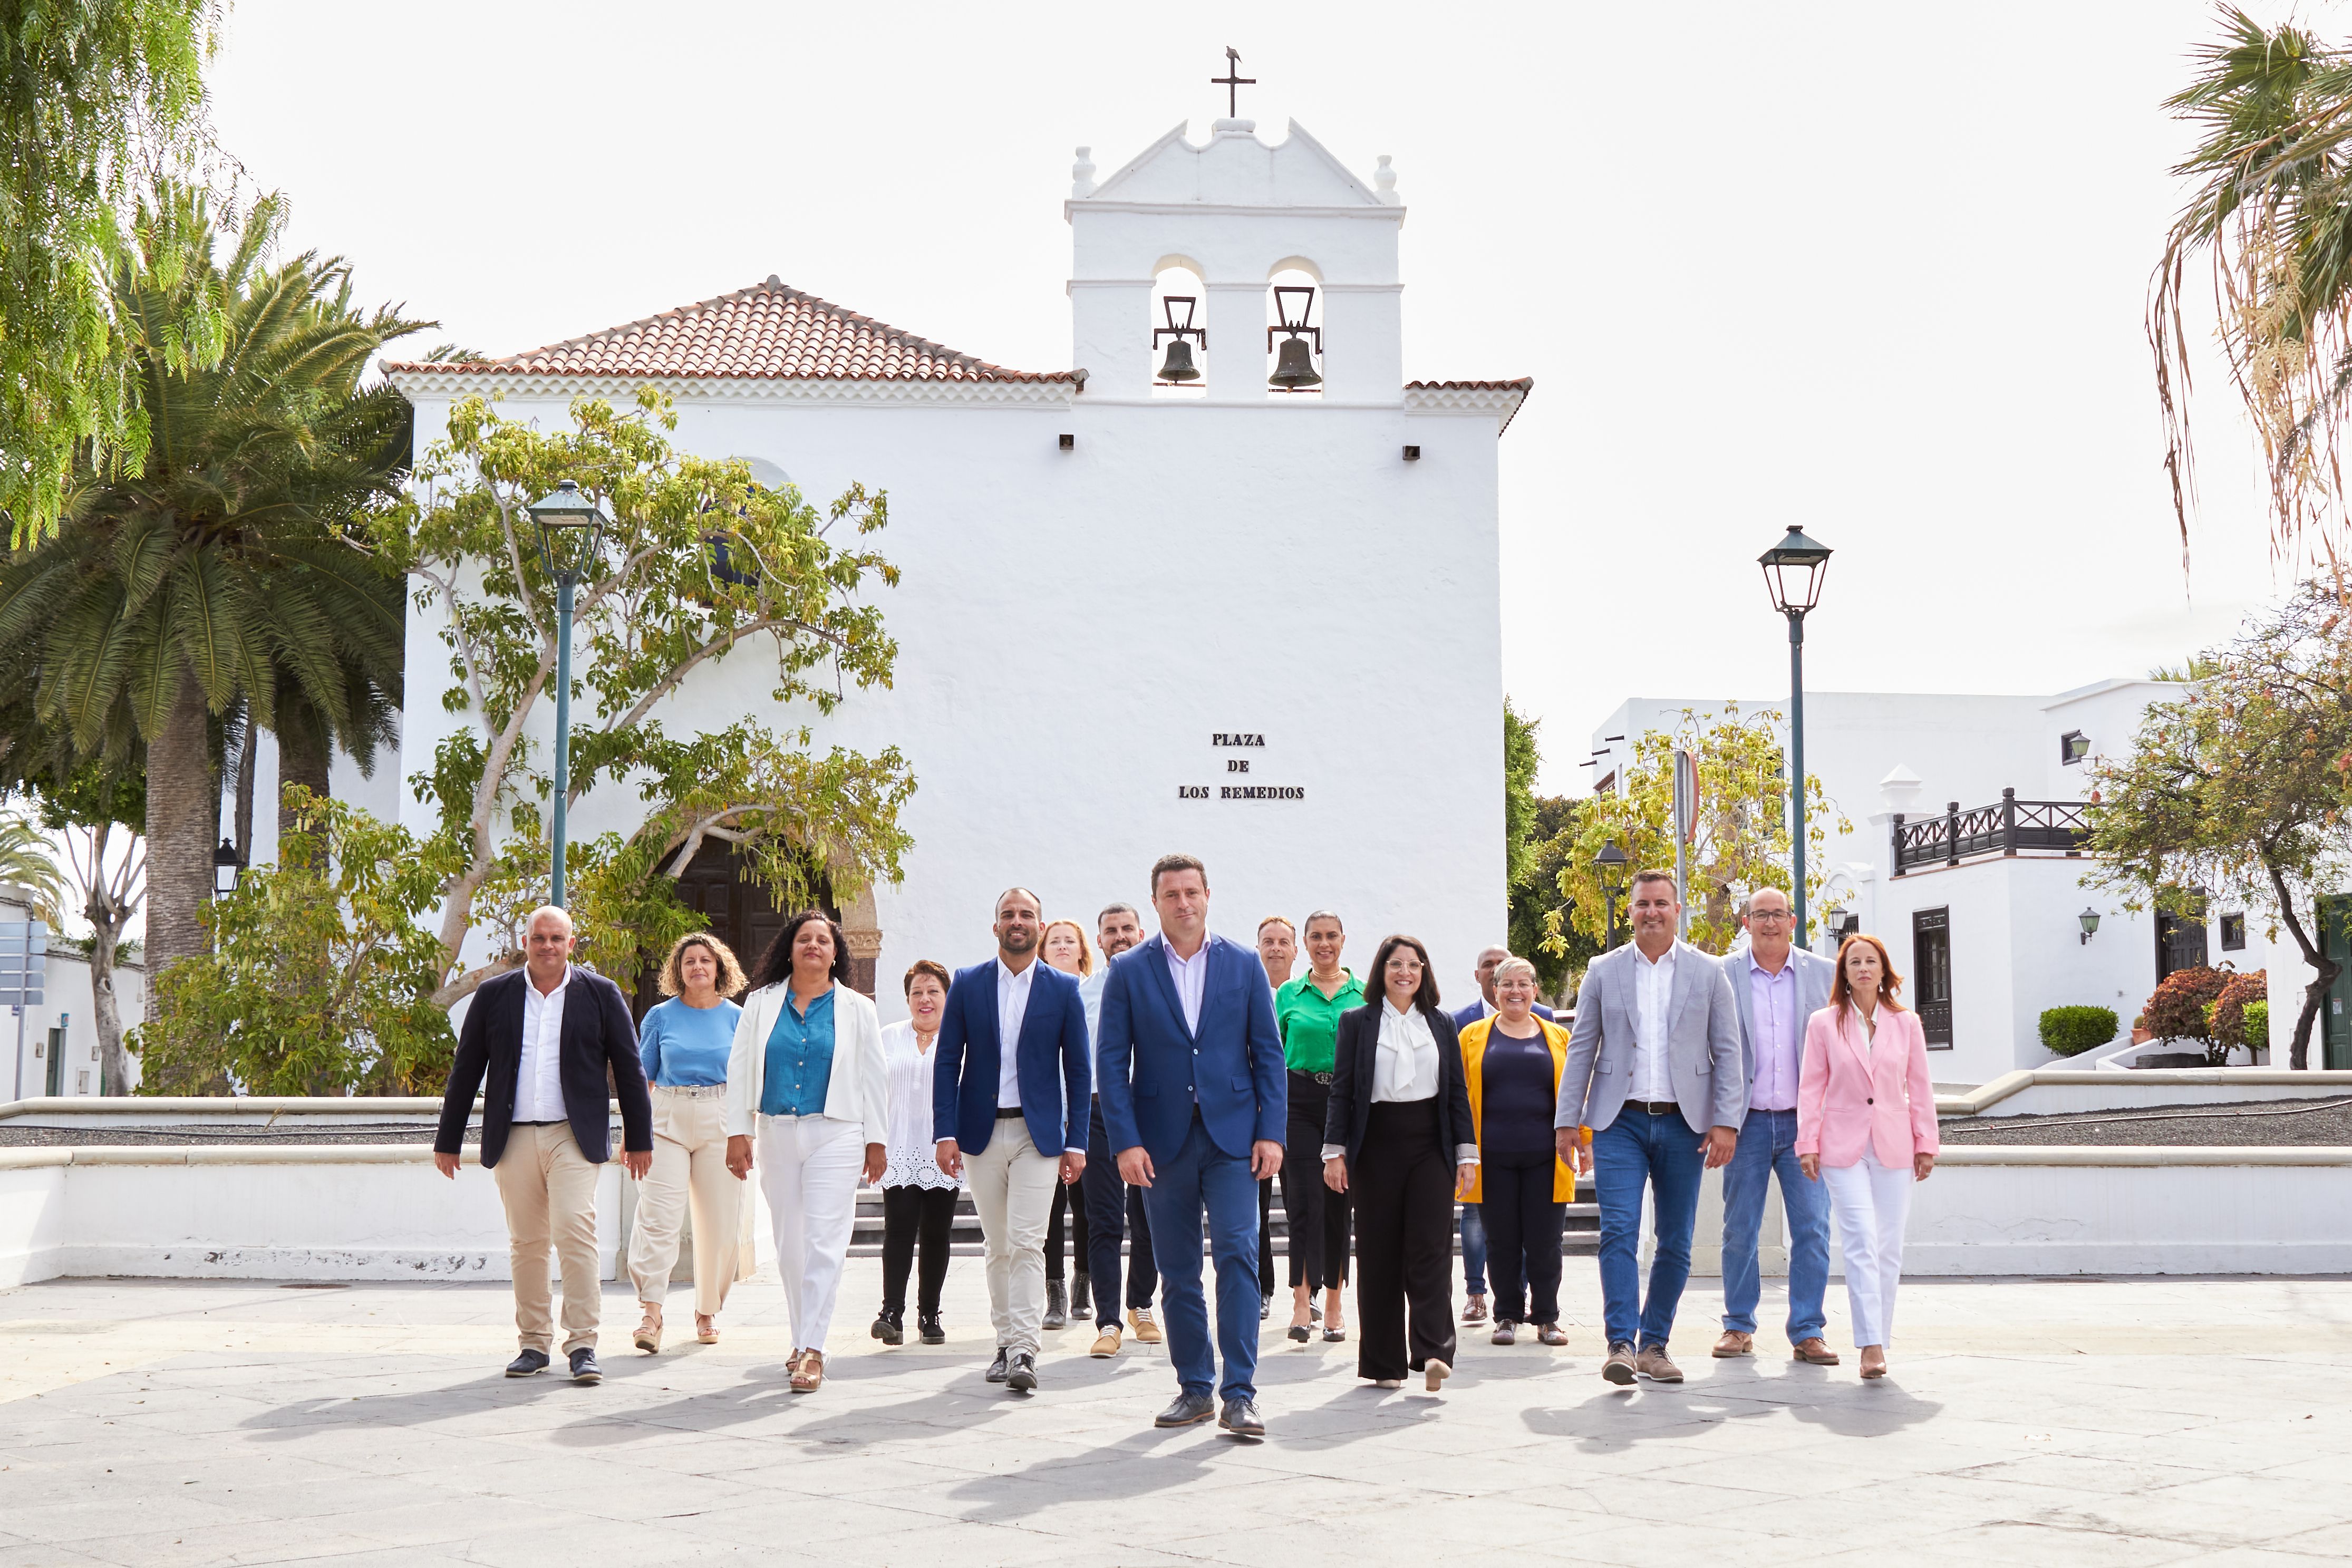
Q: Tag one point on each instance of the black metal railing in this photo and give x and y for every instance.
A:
(2012, 827)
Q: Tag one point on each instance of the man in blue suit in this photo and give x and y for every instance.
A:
(1189, 1063)
(1011, 1121)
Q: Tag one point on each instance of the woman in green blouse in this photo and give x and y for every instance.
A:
(1308, 1010)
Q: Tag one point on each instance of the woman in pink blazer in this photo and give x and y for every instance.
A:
(1866, 1125)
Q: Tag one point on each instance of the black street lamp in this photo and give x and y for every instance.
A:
(1793, 570)
(1611, 863)
(570, 530)
(227, 867)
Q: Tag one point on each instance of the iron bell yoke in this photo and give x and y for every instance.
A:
(1178, 368)
(1293, 367)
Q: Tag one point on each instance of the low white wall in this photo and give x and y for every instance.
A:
(2059, 1092)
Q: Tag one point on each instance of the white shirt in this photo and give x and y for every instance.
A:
(1653, 995)
(1090, 995)
(910, 1157)
(1012, 1008)
(538, 1082)
(1191, 978)
(1404, 1063)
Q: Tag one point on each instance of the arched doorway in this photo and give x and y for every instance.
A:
(738, 906)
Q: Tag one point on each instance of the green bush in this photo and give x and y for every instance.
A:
(2255, 1031)
(2071, 1031)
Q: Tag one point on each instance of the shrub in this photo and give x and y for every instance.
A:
(2254, 1033)
(2229, 1008)
(2177, 1010)
(2071, 1031)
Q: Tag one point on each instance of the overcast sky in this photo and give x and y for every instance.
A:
(1874, 270)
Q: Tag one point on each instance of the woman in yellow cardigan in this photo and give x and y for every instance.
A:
(1512, 1062)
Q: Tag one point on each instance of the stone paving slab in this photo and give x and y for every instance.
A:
(2124, 1422)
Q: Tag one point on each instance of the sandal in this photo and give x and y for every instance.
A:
(706, 1329)
(808, 1376)
(647, 1337)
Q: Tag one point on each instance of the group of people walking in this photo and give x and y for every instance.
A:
(1161, 1094)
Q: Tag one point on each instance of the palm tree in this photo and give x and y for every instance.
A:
(28, 860)
(2270, 215)
(216, 569)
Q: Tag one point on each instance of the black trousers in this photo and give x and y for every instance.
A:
(1114, 1209)
(1404, 1183)
(1266, 1235)
(1523, 1229)
(1070, 1211)
(1317, 1216)
(910, 1214)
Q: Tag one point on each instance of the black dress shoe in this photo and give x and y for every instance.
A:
(1241, 1418)
(931, 1332)
(584, 1368)
(526, 1363)
(999, 1370)
(889, 1327)
(1189, 1410)
(1298, 1332)
(1265, 1307)
(1022, 1375)
(1057, 1306)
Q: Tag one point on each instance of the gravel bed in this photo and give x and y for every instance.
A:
(2253, 1123)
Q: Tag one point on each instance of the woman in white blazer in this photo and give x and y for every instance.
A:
(808, 1085)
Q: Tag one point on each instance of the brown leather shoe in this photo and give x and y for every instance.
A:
(1147, 1332)
(809, 1375)
(1814, 1351)
(1653, 1364)
(1734, 1343)
(1106, 1344)
(1475, 1309)
(1551, 1335)
(1619, 1368)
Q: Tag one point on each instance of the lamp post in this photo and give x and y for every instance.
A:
(570, 529)
(1611, 863)
(1793, 570)
(227, 867)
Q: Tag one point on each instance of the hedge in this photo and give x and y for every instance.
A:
(2071, 1031)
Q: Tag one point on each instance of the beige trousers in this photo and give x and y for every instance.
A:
(550, 1192)
(1013, 1187)
(690, 1174)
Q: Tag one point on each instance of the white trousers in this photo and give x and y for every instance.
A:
(1013, 1187)
(808, 1168)
(1872, 1203)
(690, 1174)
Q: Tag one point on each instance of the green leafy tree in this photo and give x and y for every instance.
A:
(2268, 217)
(214, 571)
(2239, 787)
(95, 809)
(1743, 839)
(96, 101)
(1534, 852)
(696, 561)
(321, 977)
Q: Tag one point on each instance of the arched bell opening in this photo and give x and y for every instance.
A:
(1294, 333)
(1180, 331)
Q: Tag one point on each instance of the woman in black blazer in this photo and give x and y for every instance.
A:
(1399, 1138)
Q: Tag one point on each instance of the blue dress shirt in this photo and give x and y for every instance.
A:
(800, 1060)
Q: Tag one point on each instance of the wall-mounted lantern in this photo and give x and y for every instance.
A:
(2090, 922)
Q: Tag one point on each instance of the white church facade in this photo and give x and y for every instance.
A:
(1256, 624)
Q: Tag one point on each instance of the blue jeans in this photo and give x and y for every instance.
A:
(1473, 1250)
(1767, 1147)
(1200, 1176)
(1662, 1150)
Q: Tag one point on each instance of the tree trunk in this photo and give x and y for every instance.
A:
(113, 1060)
(243, 833)
(305, 757)
(182, 799)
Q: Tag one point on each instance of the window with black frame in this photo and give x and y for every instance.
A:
(1931, 974)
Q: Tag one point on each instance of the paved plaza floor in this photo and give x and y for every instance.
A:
(2119, 1422)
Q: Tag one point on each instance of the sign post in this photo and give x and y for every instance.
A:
(1685, 830)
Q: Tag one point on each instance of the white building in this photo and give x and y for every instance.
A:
(1108, 582)
(59, 1035)
(1964, 812)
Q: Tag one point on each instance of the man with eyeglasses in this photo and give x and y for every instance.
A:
(1778, 985)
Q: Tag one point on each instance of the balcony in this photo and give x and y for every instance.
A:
(2013, 827)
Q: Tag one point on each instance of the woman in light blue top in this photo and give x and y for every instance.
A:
(686, 1042)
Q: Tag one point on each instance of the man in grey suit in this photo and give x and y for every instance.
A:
(1778, 985)
(1653, 1069)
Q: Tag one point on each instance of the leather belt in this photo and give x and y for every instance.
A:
(1657, 1107)
(1007, 1113)
(1322, 1077)
(692, 1091)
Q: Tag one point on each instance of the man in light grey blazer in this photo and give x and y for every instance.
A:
(1778, 985)
(1655, 1071)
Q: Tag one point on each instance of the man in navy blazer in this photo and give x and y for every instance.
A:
(545, 1036)
(1012, 1123)
(1189, 1064)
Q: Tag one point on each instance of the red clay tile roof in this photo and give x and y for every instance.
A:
(765, 332)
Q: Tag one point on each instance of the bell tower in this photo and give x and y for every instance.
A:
(1239, 214)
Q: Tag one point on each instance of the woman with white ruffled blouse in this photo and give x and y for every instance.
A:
(919, 1199)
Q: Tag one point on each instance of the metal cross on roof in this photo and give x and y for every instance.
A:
(1232, 82)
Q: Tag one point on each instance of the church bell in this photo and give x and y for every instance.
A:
(1177, 366)
(1293, 367)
